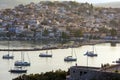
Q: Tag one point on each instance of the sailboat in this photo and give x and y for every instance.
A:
(45, 54)
(8, 56)
(91, 53)
(22, 62)
(70, 58)
(18, 70)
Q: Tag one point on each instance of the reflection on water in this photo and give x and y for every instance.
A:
(106, 54)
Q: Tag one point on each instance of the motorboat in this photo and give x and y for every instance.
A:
(70, 58)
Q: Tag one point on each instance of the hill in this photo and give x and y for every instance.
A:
(10, 4)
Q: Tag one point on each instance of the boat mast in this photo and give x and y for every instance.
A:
(93, 48)
(75, 54)
(8, 45)
(47, 52)
(87, 62)
(28, 58)
(22, 56)
(72, 52)
(51, 51)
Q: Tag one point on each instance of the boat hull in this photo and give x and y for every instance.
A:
(17, 71)
(22, 64)
(70, 59)
(90, 54)
(7, 57)
(45, 55)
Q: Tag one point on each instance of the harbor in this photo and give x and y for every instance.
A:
(106, 54)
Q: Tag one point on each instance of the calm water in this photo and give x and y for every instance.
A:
(106, 54)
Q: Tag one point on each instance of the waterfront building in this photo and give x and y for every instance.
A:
(94, 73)
(82, 72)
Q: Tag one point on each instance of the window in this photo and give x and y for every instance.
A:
(73, 71)
(85, 72)
(80, 73)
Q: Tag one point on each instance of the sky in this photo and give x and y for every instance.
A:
(95, 1)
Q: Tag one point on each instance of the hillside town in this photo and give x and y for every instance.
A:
(58, 21)
(49, 35)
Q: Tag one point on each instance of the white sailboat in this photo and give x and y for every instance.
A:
(22, 62)
(70, 58)
(45, 54)
(8, 56)
(91, 53)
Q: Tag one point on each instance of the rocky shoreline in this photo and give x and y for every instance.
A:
(71, 44)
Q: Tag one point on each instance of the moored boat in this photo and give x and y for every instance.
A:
(90, 54)
(21, 63)
(7, 56)
(45, 55)
(70, 58)
(18, 70)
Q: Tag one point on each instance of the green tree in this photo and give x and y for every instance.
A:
(114, 23)
(103, 30)
(64, 35)
(78, 33)
(45, 33)
(57, 75)
(113, 32)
